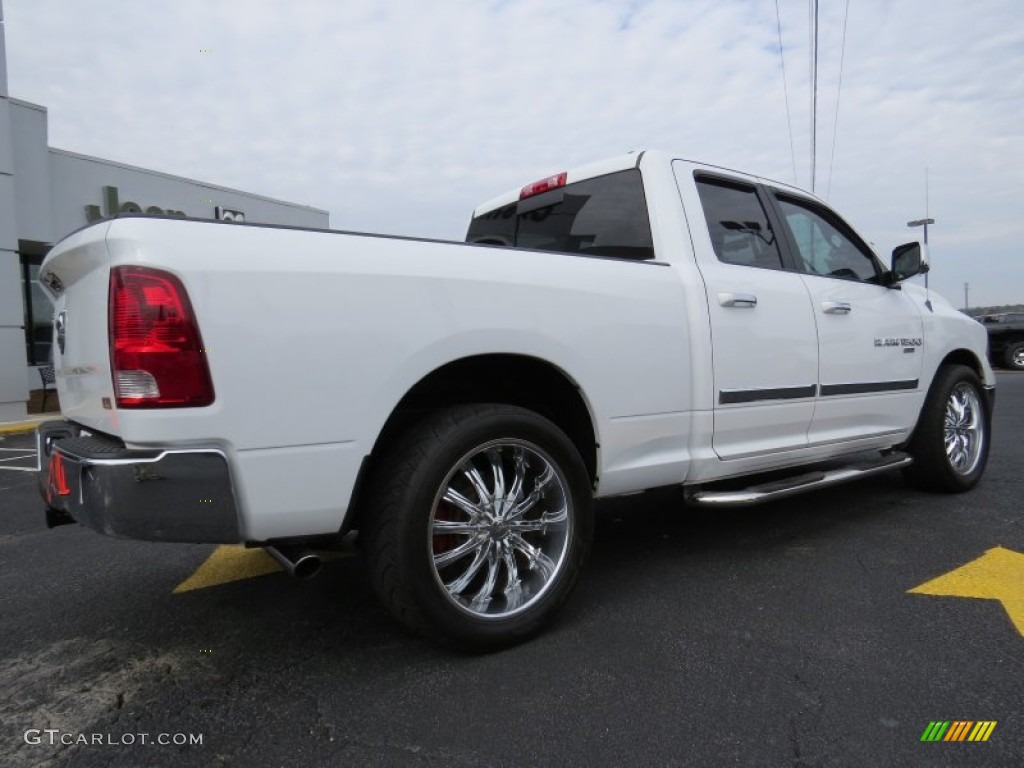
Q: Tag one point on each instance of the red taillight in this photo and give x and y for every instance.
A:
(544, 185)
(156, 353)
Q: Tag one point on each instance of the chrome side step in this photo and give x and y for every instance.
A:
(790, 486)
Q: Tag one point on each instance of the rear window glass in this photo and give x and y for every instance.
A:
(603, 216)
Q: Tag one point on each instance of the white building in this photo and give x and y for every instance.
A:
(46, 193)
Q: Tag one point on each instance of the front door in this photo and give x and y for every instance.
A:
(869, 335)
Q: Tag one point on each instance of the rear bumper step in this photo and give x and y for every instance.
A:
(790, 486)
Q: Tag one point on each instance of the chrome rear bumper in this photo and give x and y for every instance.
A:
(182, 495)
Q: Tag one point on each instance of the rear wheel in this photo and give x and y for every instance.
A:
(950, 443)
(1013, 356)
(477, 523)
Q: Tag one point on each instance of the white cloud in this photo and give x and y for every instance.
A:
(401, 116)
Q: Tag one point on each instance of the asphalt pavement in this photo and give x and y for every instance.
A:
(783, 635)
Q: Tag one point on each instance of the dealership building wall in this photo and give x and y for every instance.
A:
(46, 193)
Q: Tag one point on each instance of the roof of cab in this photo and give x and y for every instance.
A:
(600, 168)
(625, 162)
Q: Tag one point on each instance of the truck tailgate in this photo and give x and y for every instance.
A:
(76, 275)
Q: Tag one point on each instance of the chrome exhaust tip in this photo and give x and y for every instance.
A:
(298, 562)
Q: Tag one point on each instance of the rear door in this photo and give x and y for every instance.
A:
(764, 342)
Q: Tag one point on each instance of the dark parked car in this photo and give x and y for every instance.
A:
(1005, 339)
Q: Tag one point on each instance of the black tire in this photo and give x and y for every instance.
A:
(950, 443)
(1013, 356)
(434, 506)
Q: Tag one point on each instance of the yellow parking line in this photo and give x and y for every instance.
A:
(236, 563)
(227, 564)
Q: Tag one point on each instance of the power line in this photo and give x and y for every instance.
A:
(839, 91)
(785, 90)
(814, 92)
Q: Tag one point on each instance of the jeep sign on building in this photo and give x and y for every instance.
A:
(45, 193)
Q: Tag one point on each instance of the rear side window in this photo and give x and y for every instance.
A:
(740, 231)
(603, 216)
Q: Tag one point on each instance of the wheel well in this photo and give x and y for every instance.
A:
(956, 357)
(512, 379)
(964, 357)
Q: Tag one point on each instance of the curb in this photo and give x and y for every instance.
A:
(29, 425)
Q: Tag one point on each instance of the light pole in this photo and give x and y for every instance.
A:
(922, 223)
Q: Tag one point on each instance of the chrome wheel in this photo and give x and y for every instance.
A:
(1017, 359)
(951, 439)
(477, 522)
(500, 528)
(964, 432)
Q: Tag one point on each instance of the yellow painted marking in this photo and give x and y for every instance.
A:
(21, 426)
(227, 564)
(996, 575)
(236, 563)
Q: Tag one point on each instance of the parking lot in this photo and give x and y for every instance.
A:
(827, 630)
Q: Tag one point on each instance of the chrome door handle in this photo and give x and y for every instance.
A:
(836, 307)
(747, 300)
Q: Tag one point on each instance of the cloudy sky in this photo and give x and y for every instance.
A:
(399, 116)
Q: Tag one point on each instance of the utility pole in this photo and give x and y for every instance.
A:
(967, 288)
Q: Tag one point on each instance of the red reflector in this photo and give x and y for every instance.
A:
(544, 185)
(156, 352)
(58, 480)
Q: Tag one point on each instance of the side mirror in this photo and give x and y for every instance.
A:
(907, 260)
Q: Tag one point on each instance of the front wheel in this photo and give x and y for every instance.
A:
(950, 443)
(477, 523)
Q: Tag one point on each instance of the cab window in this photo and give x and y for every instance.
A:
(824, 245)
(601, 216)
(740, 231)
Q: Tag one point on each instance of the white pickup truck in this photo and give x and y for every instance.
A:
(641, 322)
